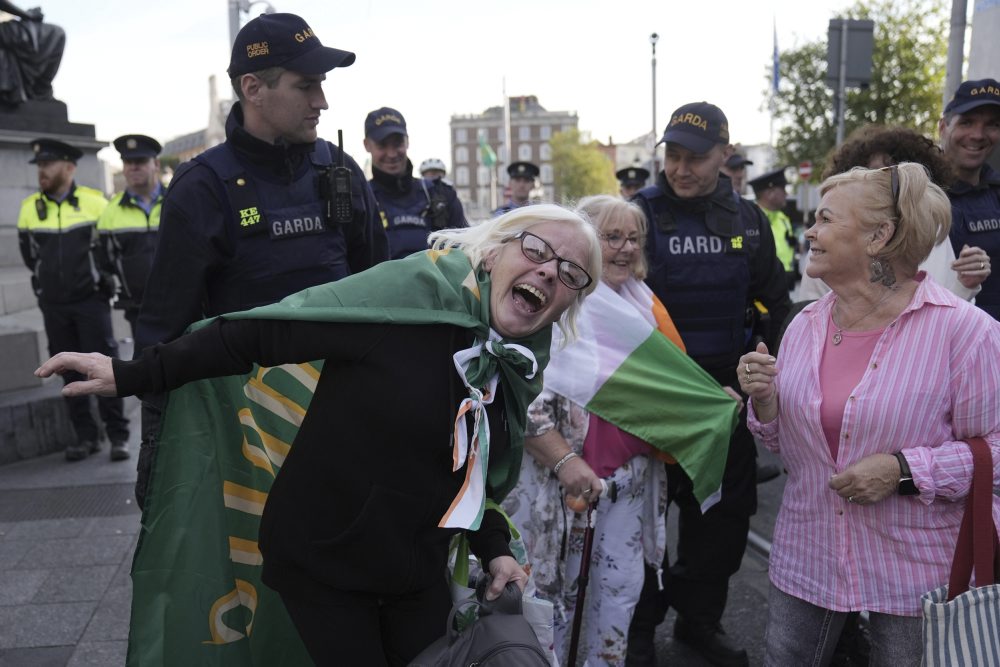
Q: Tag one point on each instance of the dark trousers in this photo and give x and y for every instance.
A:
(152, 418)
(362, 629)
(85, 326)
(710, 546)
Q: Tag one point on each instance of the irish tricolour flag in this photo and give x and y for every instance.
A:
(623, 368)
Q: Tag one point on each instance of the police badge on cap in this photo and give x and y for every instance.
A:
(632, 176)
(50, 150)
(137, 146)
(523, 170)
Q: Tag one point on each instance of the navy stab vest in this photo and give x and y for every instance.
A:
(284, 243)
(975, 220)
(407, 216)
(702, 275)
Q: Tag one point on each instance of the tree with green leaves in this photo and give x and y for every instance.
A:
(580, 169)
(908, 70)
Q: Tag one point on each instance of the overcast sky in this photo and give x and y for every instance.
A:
(143, 66)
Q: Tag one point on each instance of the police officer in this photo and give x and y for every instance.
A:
(710, 254)
(271, 211)
(432, 168)
(735, 167)
(411, 208)
(522, 177)
(970, 132)
(769, 190)
(128, 226)
(57, 232)
(631, 180)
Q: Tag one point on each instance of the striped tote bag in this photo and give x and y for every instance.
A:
(962, 624)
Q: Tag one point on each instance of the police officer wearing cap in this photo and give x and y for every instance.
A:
(735, 167)
(710, 255)
(128, 226)
(57, 233)
(769, 189)
(970, 133)
(631, 180)
(271, 211)
(410, 208)
(522, 177)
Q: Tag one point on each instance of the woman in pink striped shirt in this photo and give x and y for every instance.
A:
(877, 383)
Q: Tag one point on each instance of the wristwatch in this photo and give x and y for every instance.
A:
(906, 486)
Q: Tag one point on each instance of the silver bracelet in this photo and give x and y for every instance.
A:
(561, 462)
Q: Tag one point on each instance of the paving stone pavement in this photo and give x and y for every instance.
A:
(67, 535)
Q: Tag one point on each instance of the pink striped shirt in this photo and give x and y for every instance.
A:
(934, 377)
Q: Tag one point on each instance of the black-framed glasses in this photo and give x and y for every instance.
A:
(617, 241)
(539, 251)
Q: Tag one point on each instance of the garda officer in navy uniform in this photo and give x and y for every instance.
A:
(522, 182)
(267, 213)
(631, 180)
(129, 225)
(411, 208)
(710, 254)
(735, 167)
(970, 133)
(57, 233)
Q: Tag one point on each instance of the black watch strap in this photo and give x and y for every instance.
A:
(906, 486)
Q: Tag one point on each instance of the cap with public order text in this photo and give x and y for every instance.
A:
(523, 170)
(772, 179)
(697, 126)
(380, 123)
(632, 175)
(972, 94)
(50, 150)
(137, 146)
(283, 40)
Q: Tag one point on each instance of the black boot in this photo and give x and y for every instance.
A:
(641, 652)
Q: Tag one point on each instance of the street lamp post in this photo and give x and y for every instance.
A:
(243, 6)
(653, 39)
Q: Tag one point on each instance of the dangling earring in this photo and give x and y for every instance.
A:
(877, 270)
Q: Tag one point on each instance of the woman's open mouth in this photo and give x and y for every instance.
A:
(533, 299)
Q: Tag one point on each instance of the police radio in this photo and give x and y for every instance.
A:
(339, 207)
(41, 209)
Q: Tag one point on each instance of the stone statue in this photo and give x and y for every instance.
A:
(30, 53)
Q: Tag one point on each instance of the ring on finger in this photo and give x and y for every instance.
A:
(850, 499)
(746, 368)
(982, 265)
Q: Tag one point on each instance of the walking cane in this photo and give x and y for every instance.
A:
(584, 577)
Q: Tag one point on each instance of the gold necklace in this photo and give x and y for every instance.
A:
(838, 335)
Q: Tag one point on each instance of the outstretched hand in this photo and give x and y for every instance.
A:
(96, 368)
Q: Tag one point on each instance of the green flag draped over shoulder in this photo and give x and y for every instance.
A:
(197, 595)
